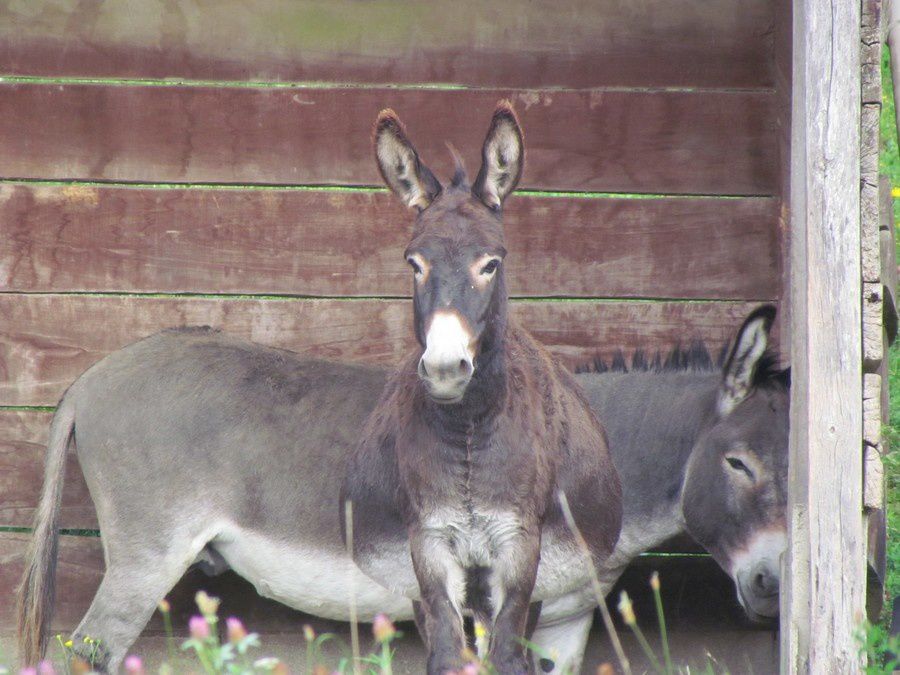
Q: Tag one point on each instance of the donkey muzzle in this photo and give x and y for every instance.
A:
(447, 365)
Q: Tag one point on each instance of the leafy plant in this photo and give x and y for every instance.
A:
(880, 649)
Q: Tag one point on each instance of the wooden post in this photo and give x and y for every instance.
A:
(824, 594)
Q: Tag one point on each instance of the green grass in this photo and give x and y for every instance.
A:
(890, 165)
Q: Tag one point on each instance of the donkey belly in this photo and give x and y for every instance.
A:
(563, 569)
(318, 581)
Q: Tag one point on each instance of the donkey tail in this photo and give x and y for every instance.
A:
(35, 601)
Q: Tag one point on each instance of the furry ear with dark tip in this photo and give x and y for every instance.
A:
(399, 163)
(502, 157)
(740, 367)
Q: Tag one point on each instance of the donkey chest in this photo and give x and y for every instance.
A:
(472, 535)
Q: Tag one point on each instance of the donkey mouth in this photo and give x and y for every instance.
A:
(446, 400)
(761, 610)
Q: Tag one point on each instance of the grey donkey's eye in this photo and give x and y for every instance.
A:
(416, 268)
(738, 465)
(491, 266)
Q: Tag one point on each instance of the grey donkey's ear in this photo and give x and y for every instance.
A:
(399, 163)
(502, 158)
(749, 347)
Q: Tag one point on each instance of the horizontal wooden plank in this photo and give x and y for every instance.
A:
(696, 592)
(573, 43)
(83, 238)
(46, 341)
(695, 142)
(80, 569)
(78, 573)
(23, 441)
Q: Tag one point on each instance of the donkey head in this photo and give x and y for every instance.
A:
(735, 493)
(457, 249)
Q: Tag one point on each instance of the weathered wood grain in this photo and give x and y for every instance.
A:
(872, 417)
(574, 43)
(870, 138)
(78, 573)
(23, 441)
(872, 325)
(869, 198)
(83, 238)
(709, 603)
(80, 569)
(870, 37)
(46, 341)
(622, 141)
(783, 47)
(824, 592)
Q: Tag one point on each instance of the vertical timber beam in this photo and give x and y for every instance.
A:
(824, 597)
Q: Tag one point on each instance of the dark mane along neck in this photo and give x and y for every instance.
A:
(694, 358)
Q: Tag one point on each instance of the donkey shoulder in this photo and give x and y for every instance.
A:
(372, 486)
(585, 471)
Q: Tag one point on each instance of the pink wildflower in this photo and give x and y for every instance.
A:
(383, 629)
(236, 630)
(199, 628)
(45, 668)
(134, 665)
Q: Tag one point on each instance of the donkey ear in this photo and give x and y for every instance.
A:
(502, 158)
(740, 367)
(399, 163)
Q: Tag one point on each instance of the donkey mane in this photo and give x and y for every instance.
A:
(695, 358)
(460, 178)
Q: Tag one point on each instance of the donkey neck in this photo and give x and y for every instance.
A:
(485, 398)
(652, 420)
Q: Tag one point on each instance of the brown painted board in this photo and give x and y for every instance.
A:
(46, 341)
(697, 142)
(80, 570)
(78, 573)
(325, 243)
(573, 43)
(23, 441)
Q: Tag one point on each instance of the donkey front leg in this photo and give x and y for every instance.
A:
(512, 580)
(442, 588)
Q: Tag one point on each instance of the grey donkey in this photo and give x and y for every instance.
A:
(200, 447)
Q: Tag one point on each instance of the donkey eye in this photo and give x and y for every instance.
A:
(738, 465)
(491, 266)
(416, 268)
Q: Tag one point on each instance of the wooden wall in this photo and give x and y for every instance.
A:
(168, 163)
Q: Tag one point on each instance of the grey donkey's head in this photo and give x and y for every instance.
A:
(735, 489)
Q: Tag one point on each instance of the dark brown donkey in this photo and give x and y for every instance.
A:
(479, 431)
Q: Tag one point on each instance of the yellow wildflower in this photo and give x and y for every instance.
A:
(208, 605)
(626, 609)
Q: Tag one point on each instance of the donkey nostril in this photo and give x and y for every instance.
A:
(423, 372)
(464, 367)
(765, 584)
